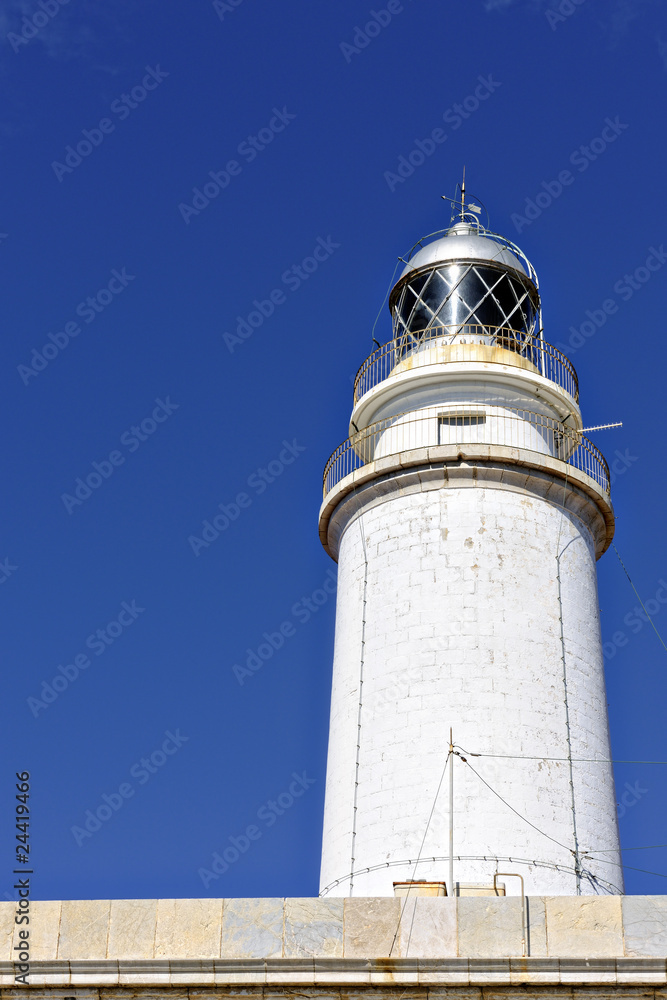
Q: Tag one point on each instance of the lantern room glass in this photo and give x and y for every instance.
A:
(466, 299)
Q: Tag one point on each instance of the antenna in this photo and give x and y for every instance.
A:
(459, 205)
(601, 427)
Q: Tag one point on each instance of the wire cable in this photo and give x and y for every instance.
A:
(362, 654)
(568, 731)
(638, 597)
(504, 801)
(530, 862)
(613, 850)
(608, 850)
(616, 864)
(576, 760)
(414, 870)
(384, 300)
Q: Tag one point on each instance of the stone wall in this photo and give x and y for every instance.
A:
(355, 942)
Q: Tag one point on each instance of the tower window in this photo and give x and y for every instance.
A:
(463, 425)
(463, 420)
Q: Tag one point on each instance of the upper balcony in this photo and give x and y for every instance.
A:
(483, 429)
(470, 342)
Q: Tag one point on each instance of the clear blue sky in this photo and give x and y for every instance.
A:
(133, 279)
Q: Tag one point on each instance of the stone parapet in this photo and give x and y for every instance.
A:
(354, 943)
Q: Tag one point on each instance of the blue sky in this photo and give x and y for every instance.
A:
(166, 170)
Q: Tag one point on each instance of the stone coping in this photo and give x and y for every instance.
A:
(346, 937)
(476, 459)
(301, 972)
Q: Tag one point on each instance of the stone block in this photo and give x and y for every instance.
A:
(252, 928)
(44, 927)
(584, 926)
(143, 978)
(354, 974)
(185, 973)
(382, 465)
(428, 927)
(364, 474)
(414, 456)
(489, 970)
(188, 928)
(371, 927)
(239, 979)
(7, 911)
(536, 927)
(392, 978)
(641, 970)
(593, 971)
(645, 926)
(313, 928)
(156, 994)
(132, 928)
(49, 979)
(289, 977)
(490, 927)
(464, 993)
(535, 971)
(84, 928)
(82, 974)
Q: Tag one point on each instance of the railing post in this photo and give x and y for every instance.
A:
(549, 361)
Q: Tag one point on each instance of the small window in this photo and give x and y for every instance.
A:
(463, 420)
(461, 426)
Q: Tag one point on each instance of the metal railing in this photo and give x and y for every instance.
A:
(420, 348)
(463, 424)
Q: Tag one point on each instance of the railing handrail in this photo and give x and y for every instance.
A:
(592, 462)
(561, 370)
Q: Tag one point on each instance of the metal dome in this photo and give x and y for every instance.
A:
(466, 242)
(466, 282)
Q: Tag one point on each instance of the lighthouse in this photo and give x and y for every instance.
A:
(466, 511)
(469, 753)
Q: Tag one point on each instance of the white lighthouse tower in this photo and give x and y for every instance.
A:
(466, 511)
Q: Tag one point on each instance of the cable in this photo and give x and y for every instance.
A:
(585, 853)
(578, 870)
(613, 850)
(576, 760)
(353, 843)
(414, 871)
(616, 864)
(384, 300)
(547, 835)
(565, 688)
(566, 869)
(638, 597)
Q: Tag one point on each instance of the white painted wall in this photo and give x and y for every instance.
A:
(462, 629)
(507, 425)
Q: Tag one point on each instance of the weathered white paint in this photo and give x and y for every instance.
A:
(462, 629)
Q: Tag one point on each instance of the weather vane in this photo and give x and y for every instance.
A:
(459, 204)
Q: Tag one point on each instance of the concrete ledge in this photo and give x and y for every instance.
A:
(476, 465)
(345, 972)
